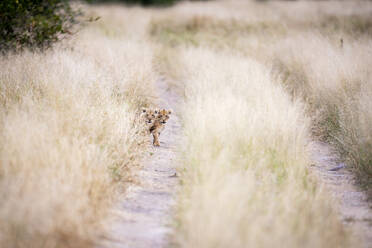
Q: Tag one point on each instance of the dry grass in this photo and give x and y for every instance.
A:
(335, 82)
(320, 51)
(252, 74)
(258, 81)
(245, 181)
(70, 135)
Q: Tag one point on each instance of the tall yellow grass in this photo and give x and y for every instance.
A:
(320, 50)
(245, 179)
(335, 81)
(259, 80)
(70, 136)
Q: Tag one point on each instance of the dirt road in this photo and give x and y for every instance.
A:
(354, 209)
(146, 209)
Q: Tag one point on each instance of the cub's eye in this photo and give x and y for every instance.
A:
(153, 115)
(156, 111)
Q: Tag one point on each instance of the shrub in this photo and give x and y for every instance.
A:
(34, 23)
(141, 2)
(155, 2)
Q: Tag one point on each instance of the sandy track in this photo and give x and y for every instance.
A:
(147, 208)
(354, 209)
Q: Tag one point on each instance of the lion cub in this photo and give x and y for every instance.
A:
(156, 120)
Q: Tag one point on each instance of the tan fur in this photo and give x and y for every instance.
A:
(149, 115)
(156, 120)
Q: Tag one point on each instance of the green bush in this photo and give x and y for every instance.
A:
(157, 2)
(141, 2)
(34, 23)
(150, 2)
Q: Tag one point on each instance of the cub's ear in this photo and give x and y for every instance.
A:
(170, 112)
(143, 110)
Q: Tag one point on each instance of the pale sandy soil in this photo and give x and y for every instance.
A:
(354, 209)
(146, 209)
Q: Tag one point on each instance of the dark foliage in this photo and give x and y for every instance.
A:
(156, 3)
(141, 2)
(153, 2)
(34, 23)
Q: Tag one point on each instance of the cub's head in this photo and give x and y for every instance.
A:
(164, 115)
(150, 115)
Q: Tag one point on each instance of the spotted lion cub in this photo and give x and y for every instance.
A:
(156, 120)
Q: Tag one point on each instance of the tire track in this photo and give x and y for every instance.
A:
(146, 209)
(353, 206)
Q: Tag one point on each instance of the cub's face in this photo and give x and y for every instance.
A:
(150, 115)
(163, 116)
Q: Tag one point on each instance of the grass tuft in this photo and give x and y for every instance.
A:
(70, 137)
